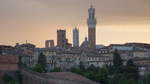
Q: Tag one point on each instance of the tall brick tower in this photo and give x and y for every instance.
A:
(92, 27)
(61, 38)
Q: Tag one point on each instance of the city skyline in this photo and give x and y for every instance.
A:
(119, 21)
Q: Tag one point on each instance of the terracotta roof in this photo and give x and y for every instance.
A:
(71, 76)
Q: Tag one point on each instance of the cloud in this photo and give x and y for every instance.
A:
(107, 11)
(41, 18)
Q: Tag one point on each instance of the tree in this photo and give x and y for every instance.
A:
(102, 75)
(130, 63)
(117, 61)
(38, 68)
(76, 70)
(9, 80)
(132, 81)
(81, 66)
(42, 61)
(146, 80)
(57, 69)
(0, 51)
(92, 68)
(119, 78)
(131, 70)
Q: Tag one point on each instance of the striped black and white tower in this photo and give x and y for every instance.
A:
(75, 37)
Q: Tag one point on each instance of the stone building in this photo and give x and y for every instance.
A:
(74, 57)
(62, 41)
(9, 66)
(67, 59)
(85, 44)
(61, 38)
(49, 44)
(9, 63)
(50, 57)
(121, 47)
(26, 46)
(141, 54)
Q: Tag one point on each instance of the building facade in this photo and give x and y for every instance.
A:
(9, 63)
(49, 44)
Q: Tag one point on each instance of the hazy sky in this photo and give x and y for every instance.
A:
(119, 21)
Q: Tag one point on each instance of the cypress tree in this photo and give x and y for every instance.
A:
(117, 61)
(42, 61)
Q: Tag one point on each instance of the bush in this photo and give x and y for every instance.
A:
(38, 68)
(9, 80)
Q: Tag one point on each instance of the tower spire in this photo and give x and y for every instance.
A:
(91, 3)
(92, 27)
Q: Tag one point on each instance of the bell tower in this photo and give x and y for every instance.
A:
(92, 27)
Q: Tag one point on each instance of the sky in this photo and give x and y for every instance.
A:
(118, 21)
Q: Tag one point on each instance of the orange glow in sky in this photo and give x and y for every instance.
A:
(119, 21)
